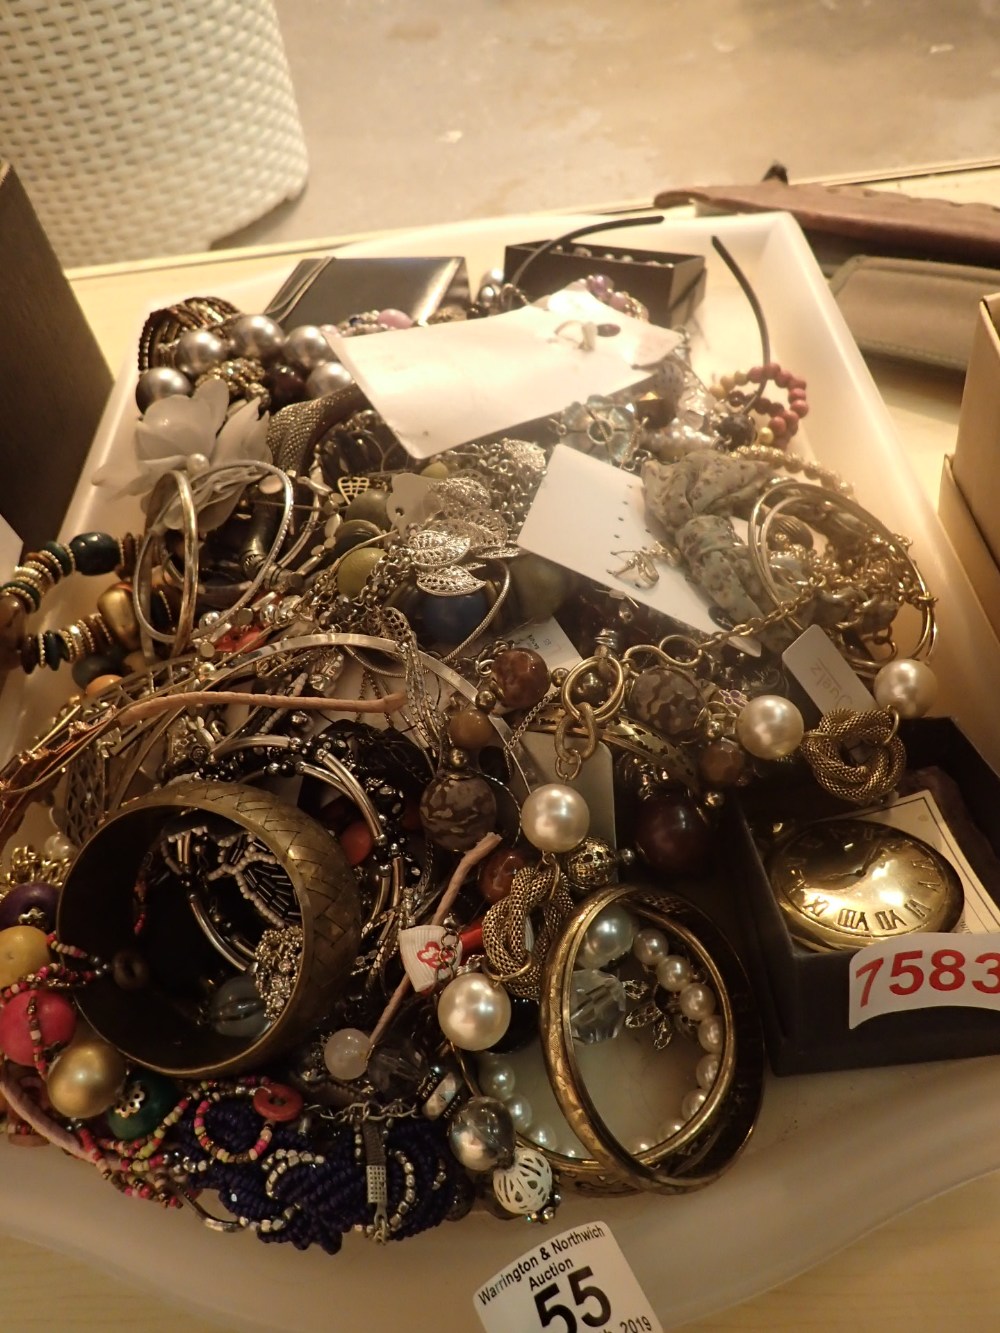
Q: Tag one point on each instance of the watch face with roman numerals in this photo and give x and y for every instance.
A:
(844, 883)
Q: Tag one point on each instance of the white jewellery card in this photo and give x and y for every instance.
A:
(447, 384)
(586, 514)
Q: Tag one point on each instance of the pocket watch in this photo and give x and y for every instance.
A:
(845, 883)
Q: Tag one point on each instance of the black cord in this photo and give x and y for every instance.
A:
(755, 306)
(589, 230)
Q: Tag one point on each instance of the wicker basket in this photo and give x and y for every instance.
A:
(142, 128)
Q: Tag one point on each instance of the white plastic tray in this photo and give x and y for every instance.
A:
(833, 1156)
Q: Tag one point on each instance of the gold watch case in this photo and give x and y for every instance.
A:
(845, 883)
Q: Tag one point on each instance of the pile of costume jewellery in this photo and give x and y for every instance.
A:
(324, 874)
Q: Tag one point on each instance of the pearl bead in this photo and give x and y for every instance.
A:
(707, 1071)
(473, 1012)
(697, 1002)
(326, 378)
(160, 382)
(770, 727)
(641, 1145)
(306, 347)
(520, 1112)
(554, 818)
(692, 1102)
(257, 336)
(57, 847)
(673, 972)
(609, 936)
(649, 946)
(543, 1136)
(395, 319)
(345, 1053)
(671, 1128)
(198, 350)
(498, 1080)
(84, 1081)
(482, 1135)
(907, 686)
(711, 1034)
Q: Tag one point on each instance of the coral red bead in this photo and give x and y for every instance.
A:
(55, 1018)
(496, 874)
(278, 1103)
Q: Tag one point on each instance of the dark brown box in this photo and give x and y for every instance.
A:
(54, 381)
(803, 995)
(670, 286)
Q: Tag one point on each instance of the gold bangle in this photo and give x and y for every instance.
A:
(717, 1132)
(95, 914)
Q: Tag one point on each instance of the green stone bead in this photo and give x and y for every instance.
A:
(95, 552)
(145, 1099)
(355, 569)
(369, 506)
(539, 586)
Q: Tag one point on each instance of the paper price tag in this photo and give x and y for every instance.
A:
(576, 1282)
(931, 971)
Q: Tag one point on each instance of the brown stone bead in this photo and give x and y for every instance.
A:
(520, 677)
(665, 700)
(723, 763)
(470, 729)
(672, 834)
(497, 872)
(457, 809)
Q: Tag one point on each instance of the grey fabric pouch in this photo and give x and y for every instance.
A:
(912, 309)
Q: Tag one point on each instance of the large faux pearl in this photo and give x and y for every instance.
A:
(711, 1034)
(306, 347)
(473, 1012)
(160, 382)
(256, 335)
(554, 818)
(482, 1135)
(85, 1080)
(609, 936)
(327, 377)
(770, 727)
(692, 1102)
(907, 686)
(198, 350)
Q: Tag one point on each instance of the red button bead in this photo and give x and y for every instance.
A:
(277, 1102)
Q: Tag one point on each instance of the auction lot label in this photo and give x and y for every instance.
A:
(576, 1282)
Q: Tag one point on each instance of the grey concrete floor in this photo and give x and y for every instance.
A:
(417, 112)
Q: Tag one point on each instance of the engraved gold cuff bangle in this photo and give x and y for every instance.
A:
(155, 1027)
(714, 1136)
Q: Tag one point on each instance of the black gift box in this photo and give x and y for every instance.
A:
(54, 382)
(670, 286)
(331, 289)
(803, 995)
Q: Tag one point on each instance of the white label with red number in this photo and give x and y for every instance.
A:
(576, 1282)
(929, 971)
